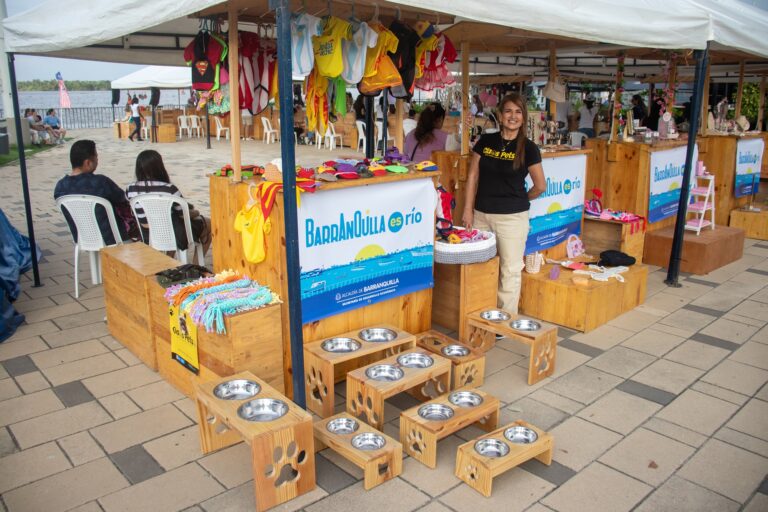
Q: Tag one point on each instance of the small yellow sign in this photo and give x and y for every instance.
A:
(183, 339)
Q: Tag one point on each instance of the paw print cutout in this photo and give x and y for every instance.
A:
(468, 375)
(544, 358)
(480, 338)
(288, 462)
(363, 407)
(433, 388)
(471, 472)
(317, 388)
(391, 351)
(416, 442)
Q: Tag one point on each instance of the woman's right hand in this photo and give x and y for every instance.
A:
(468, 219)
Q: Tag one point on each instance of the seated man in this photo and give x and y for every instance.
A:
(51, 120)
(84, 180)
(37, 128)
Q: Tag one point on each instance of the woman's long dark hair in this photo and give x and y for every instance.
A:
(150, 167)
(518, 100)
(430, 118)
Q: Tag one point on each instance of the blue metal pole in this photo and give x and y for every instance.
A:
(23, 168)
(287, 152)
(370, 127)
(673, 269)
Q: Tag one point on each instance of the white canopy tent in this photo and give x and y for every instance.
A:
(162, 77)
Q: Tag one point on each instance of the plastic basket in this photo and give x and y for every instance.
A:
(466, 253)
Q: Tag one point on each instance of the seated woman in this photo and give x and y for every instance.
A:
(151, 177)
(428, 136)
(52, 120)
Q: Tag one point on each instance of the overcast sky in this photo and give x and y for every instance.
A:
(45, 68)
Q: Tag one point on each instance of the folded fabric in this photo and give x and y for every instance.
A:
(347, 175)
(375, 166)
(363, 172)
(426, 165)
(325, 176)
(345, 168)
(303, 172)
(398, 169)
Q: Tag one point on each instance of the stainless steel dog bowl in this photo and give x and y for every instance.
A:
(521, 435)
(494, 315)
(492, 448)
(455, 350)
(238, 389)
(415, 360)
(368, 441)
(342, 426)
(435, 412)
(377, 334)
(465, 399)
(384, 372)
(340, 345)
(524, 324)
(262, 409)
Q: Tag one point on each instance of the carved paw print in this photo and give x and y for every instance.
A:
(317, 388)
(544, 358)
(481, 339)
(416, 441)
(288, 462)
(363, 407)
(468, 375)
(391, 351)
(433, 388)
(471, 472)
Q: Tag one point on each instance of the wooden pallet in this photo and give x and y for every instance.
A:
(754, 224)
(467, 370)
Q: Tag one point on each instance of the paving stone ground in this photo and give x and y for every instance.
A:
(663, 409)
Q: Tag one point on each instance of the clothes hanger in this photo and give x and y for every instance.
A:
(375, 18)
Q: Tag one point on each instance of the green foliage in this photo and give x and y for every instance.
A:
(750, 102)
(30, 150)
(72, 85)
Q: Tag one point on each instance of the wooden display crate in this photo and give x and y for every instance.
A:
(466, 370)
(754, 224)
(461, 289)
(166, 133)
(583, 308)
(127, 272)
(601, 235)
(253, 342)
(282, 449)
(701, 254)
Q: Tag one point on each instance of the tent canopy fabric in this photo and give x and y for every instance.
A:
(162, 77)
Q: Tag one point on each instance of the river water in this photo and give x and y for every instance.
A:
(42, 100)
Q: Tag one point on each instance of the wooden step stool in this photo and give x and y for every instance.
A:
(322, 367)
(478, 470)
(378, 464)
(282, 450)
(420, 434)
(468, 369)
(542, 341)
(365, 395)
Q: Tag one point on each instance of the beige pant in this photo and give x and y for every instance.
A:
(511, 230)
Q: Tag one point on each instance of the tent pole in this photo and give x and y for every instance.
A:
(673, 269)
(287, 152)
(740, 90)
(234, 92)
(23, 168)
(399, 116)
(384, 121)
(704, 104)
(370, 127)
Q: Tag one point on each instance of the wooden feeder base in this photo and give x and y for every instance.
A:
(478, 471)
(282, 450)
(419, 436)
(754, 224)
(702, 254)
(466, 370)
(378, 465)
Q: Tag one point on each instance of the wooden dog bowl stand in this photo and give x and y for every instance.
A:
(322, 368)
(542, 343)
(378, 465)
(365, 396)
(466, 370)
(419, 436)
(478, 471)
(282, 450)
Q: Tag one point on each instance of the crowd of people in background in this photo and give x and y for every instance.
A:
(46, 130)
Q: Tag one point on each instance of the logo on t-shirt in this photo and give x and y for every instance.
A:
(201, 66)
(501, 155)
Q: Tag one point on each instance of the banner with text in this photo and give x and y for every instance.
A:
(363, 245)
(749, 161)
(556, 214)
(665, 181)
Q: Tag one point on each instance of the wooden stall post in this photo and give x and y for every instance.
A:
(672, 82)
(399, 135)
(740, 90)
(465, 95)
(761, 105)
(552, 77)
(234, 92)
(617, 90)
(705, 103)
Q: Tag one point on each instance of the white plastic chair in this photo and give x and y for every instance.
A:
(295, 135)
(577, 139)
(380, 132)
(158, 208)
(360, 135)
(146, 126)
(82, 210)
(184, 125)
(270, 134)
(331, 136)
(195, 126)
(220, 128)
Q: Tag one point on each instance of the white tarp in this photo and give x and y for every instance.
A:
(164, 77)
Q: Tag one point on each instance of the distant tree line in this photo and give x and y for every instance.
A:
(72, 85)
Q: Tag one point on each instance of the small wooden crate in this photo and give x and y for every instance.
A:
(253, 342)
(601, 235)
(166, 133)
(322, 369)
(542, 342)
(127, 272)
(378, 465)
(460, 289)
(419, 436)
(478, 471)
(754, 224)
(365, 396)
(282, 450)
(467, 370)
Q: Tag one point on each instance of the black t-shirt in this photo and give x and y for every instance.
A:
(501, 188)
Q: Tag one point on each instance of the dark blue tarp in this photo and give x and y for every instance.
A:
(15, 259)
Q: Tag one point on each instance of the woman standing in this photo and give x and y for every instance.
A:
(638, 109)
(587, 116)
(136, 117)
(497, 199)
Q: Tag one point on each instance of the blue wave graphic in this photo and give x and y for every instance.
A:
(661, 206)
(552, 221)
(744, 184)
(551, 237)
